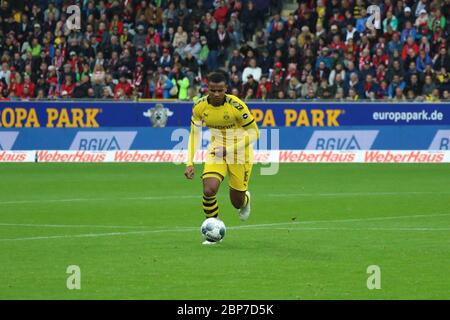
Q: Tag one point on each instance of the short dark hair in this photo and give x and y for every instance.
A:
(217, 77)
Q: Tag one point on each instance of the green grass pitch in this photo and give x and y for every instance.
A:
(133, 229)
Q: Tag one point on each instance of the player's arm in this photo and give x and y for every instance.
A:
(193, 142)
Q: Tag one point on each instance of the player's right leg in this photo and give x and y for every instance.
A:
(211, 186)
(213, 175)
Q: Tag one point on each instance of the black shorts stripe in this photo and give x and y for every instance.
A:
(248, 123)
(221, 176)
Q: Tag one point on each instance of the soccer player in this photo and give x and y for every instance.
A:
(233, 131)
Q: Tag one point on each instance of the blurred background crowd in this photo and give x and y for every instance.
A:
(310, 49)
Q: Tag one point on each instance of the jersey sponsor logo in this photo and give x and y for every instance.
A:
(441, 140)
(103, 140)
(229, 126)
(7, 139)
(342, 140)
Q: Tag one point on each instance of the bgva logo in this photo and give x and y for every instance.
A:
(103, 140)
(342, 140)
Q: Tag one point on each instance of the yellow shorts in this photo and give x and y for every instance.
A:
(239, 174)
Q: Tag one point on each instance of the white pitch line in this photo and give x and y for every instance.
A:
(341, 220)
(95, 235)
(68, 226)
(356, 194)
(231, 227)
(281, 195)
(253, 227)
(356, 229)
(96, 199)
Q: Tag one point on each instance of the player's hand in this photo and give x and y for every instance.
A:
(189, 172)
(219, 152)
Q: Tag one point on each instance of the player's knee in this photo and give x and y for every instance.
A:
(209, 191)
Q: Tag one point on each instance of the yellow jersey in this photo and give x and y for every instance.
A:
(231, 125)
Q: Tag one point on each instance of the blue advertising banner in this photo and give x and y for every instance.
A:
(132, 138)
(165, 126)
(177, 114)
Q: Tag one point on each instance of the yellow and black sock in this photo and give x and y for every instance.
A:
(210, 206)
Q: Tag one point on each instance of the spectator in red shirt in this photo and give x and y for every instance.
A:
(410, 44)
(123, 86)
(27, 88)
(337, 44)
(380, 58)
(277, 70)
(68, 87)
(116, 23)
(26, 94)
(264, 88)
(152, 36)
(221, 12)
(140, 58)
(15, 84)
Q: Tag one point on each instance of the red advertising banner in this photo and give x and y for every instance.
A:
(261, 156)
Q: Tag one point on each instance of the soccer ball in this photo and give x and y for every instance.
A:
(213, 229)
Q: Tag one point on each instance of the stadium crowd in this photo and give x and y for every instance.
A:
(325, 49)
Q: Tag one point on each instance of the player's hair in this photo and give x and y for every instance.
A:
(217, 77)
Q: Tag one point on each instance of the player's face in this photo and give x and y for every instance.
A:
(216, 92)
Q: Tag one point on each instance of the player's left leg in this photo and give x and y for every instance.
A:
(239, 176)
